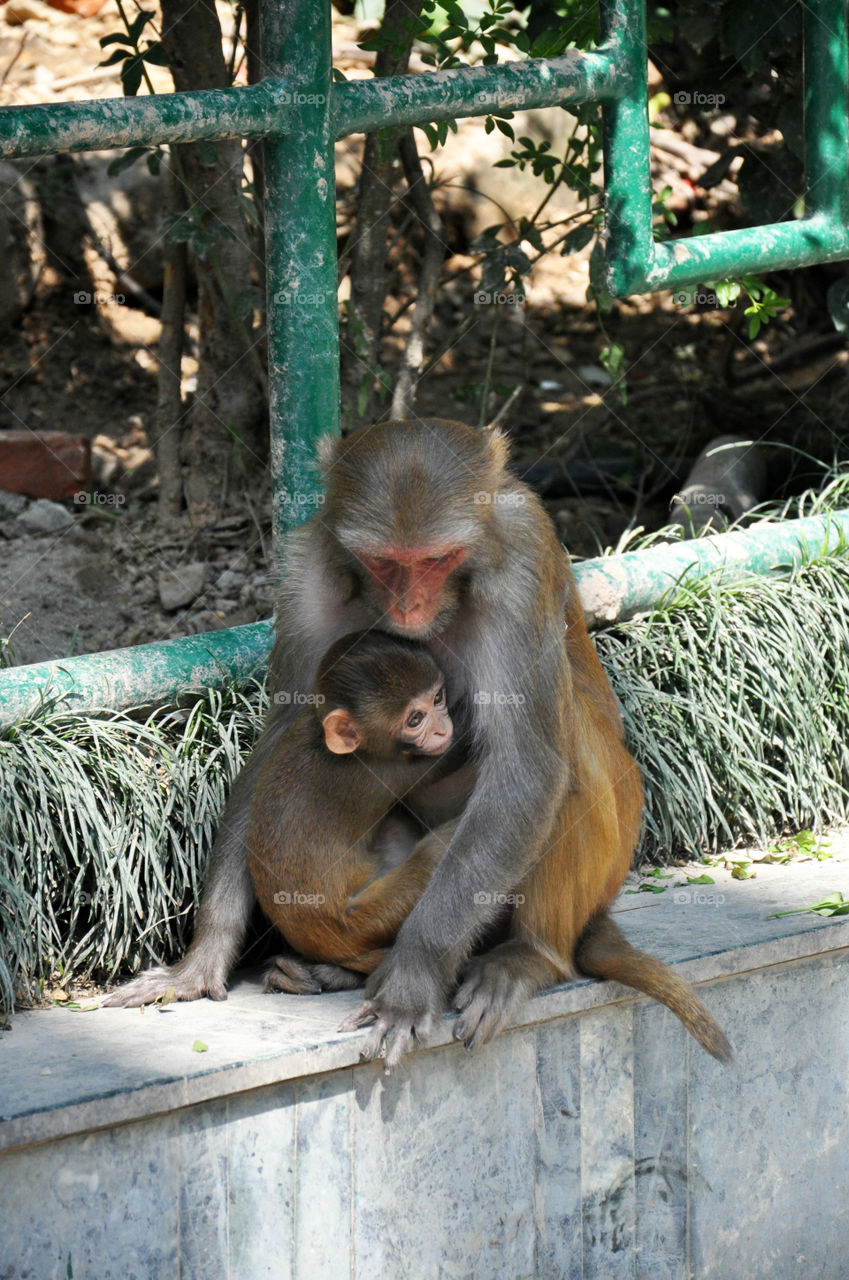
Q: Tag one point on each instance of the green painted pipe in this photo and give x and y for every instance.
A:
(300, 250)
(360, 106)
(146, 675)
(611, 588)
(635, 264)
(246, 111)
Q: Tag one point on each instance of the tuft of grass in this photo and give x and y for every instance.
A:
(105, 825)
(736, 704)
(735, 698)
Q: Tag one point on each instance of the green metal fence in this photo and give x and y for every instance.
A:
(300, 112)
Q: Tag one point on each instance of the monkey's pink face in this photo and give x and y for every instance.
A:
(412, 584)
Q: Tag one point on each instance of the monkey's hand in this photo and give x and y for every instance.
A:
(493, 986)
(401, 1006)
(191, 979)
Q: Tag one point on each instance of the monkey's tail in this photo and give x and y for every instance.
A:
(603, 951)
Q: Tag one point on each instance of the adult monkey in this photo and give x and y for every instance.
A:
(426, 534)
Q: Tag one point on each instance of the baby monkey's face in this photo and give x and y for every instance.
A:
(426, 727)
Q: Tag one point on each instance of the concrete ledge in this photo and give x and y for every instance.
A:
(592, 1141)
(66, 1072)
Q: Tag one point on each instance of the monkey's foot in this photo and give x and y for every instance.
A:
(492, 988)
(188, 980)
(401, 1006)
(299, 978)
(392, 1034)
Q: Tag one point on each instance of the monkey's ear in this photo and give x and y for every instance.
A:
(497, 447)
(326, 451)
(341, 735)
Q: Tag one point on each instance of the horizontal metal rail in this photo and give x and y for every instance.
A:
(300, 112)
(611, 588)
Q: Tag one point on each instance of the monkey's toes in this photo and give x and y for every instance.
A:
(363, 1016)
(288, 975)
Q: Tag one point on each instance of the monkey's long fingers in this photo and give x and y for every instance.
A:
(404, 1037)
(363, 1016)
(187, 982)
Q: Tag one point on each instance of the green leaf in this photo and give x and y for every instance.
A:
(125, 161)
(577, 239)
(138, 25)
(200, 1047)
(117, 37)
(131, 76)
(834, 905)
(703, 879)
(156, 55)
(118, 55)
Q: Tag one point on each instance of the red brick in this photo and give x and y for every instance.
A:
(50, 464)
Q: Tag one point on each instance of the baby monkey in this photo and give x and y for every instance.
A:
(331, 869)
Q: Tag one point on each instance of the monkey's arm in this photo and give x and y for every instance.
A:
(523, 776)
(355, 935)
(434, 803)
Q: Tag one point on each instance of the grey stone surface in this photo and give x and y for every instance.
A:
(261, 1183)
(607, 1143)
(444, 1165)
(559, 1247)
(324, 1167)
(595, 1140)
(179, 587)
(63, 1072)
(107, 1203)
(769, 1147)
(661, 1050)
(45, 516)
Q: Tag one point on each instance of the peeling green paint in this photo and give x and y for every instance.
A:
(610, 587)
(300, 112)
(146, 675)
(248, 111)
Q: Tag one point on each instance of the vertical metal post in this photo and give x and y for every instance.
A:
(627, 172)
(826, 75)
(300, 237)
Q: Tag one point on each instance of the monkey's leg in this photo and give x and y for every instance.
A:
(376, 914)
(578, 871)
(300, 977)
(354, 942)
(225, 907)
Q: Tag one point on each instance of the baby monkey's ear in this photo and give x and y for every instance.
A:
(341, 735)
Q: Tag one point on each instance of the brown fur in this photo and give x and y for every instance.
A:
(555, 801)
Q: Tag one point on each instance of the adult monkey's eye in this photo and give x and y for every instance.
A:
(440, 697)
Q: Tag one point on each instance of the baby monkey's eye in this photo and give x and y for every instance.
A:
(414, 719)
(440, 697)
